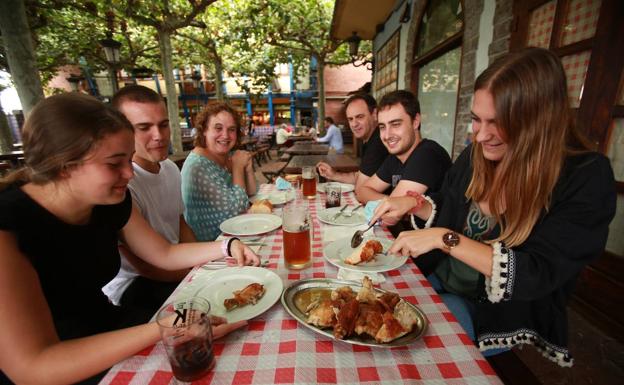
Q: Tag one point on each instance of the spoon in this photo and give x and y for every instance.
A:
(358, 237)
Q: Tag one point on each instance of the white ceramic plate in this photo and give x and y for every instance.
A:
(344, 187)
(221, 285)
(275, 197)
(335, 252)
(251, 224)
(357, 218)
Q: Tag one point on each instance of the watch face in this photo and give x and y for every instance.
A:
(451, 239)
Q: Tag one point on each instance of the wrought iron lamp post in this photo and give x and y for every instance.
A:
(111, 50)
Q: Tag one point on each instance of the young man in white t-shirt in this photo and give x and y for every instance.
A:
(156, 192)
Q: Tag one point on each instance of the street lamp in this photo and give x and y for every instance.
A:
(111, 50)
(354, 44)
(74, 81)
(196, 77)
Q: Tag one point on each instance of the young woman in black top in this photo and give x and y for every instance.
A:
(60, 218)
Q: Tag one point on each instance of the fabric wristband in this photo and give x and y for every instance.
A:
(229, 246)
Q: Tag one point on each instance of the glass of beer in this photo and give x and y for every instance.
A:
(308, 174)
(297, 233)
(187, 336)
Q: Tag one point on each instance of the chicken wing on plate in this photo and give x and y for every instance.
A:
(248, 295)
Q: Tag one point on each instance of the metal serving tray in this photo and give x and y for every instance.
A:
(298, 288)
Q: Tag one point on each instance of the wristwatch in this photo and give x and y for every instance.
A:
(450, 240)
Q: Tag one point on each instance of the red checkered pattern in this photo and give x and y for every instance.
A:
(541, 25)
(580, 21)
(275, 349)
(575, 67)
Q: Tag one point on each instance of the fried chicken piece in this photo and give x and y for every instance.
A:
(344, 294)
(389, 301)
(321, 313)
(390, 330)
(364, 253)
(248, 295)
(370, 319)
(346, 317)
(406, 316)
(367, 293)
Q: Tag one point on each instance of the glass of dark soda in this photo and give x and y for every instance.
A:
(187, 337)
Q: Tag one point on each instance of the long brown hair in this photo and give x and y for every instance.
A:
(530, 95)
(59, 132)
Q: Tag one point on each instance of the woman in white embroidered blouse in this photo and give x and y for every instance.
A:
(521, 211)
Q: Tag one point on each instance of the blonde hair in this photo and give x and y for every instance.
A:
(59, 132)
(531, 102)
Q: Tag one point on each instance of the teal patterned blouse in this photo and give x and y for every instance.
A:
(209, 196)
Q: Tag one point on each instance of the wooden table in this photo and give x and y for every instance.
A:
(13, 156)
(248, 143)
(187, 143)
(300, 148)
(301, 138)
(275, 349)
(342, 163)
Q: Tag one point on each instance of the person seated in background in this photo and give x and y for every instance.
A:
(282, 135)
(156, 193)
(216, 180)
(413, 164)
(309, 131)
(61, 217)
(333, 136)
(361, 111)
(522, 211)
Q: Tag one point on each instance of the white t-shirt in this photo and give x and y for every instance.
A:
(159, 199)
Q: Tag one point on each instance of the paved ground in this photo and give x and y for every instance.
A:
(599, 359)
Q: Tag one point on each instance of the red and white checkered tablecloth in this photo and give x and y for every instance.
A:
(275, 349)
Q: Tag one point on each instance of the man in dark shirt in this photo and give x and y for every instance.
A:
(414, 164)
(362, 117)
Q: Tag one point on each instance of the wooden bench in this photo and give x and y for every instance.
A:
(272, 170)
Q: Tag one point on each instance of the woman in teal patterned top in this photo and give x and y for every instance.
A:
(216, 183)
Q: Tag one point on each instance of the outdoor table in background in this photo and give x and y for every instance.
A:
(14, 157)
(304, 148)
(248, 143)
(275, 349)
(301, 138)
(339, 162)
(187, 143)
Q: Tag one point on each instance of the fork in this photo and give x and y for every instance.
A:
(350, 213)
(339, 212)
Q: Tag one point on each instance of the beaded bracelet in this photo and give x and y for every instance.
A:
(431, 217)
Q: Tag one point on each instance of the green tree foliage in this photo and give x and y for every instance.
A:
(301, 26)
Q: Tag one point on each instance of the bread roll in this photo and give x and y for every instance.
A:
(261, 206)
